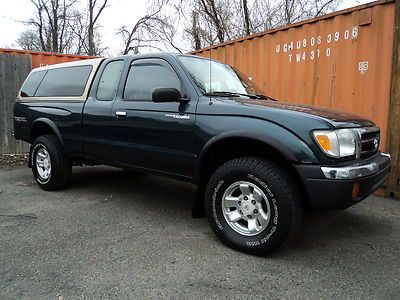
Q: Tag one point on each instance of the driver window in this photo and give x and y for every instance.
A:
(143, 78)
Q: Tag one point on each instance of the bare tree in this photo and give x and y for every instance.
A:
(297, 10)
(195, 31)
(138, 34)
(28, 40)
(145, 32)
(84, 25)
(262, 15)
(95, 10)
(51, 24)
(324, 7)
(246, 17)
(79, 27)
(210, 9)
(204, 22)
(221, 20)
(212, 21)
(60, 26)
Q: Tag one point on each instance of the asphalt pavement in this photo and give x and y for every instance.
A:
(114, 235)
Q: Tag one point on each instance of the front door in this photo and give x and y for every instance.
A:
(154, 136)
(96, 117)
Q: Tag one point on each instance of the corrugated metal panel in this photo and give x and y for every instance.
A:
(341, 61)
(40, 59)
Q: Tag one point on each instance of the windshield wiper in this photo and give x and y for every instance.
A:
(234, 94)
(229, 94)
(222, 94)
(260, 96)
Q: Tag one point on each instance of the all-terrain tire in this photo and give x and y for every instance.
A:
(280, 199)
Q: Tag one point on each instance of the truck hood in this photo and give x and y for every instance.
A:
(336, 118)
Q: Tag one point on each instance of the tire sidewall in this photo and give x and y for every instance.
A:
(279, 225)
(35, 148)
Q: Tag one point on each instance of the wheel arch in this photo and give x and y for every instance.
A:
(240, 140)
(43, 126)
(215, 153)
(39, 127)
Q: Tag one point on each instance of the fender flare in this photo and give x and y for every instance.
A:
(49, 123)
(269, 141)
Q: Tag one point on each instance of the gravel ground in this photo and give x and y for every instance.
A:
(8, 161)
(114, 235)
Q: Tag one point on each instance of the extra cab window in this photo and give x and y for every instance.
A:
(109, 80)
(31, 83)
(144, 77)
(64, 82)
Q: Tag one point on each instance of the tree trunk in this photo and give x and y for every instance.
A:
(91, 46)
(54, 7)
(195, 31)
(246, 18)
(210, 9)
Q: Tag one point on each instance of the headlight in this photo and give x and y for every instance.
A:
(336, 143)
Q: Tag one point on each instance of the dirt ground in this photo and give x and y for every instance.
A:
(121, 236)
(8, 161)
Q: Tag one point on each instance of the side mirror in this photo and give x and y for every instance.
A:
(167, 95)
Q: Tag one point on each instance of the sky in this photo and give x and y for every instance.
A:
(119, 13)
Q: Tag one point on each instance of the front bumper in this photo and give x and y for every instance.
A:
(338, 187)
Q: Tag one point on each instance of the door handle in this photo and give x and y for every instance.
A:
(120, 114)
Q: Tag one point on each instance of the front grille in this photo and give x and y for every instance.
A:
(369, 141)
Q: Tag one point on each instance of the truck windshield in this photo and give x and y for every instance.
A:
(218, 79)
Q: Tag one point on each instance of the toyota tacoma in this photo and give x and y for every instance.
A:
(258, 163)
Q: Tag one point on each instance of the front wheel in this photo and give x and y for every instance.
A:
(50, 166)
(252, 205)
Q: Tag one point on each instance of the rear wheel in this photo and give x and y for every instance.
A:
(252, 205)
(50, 166)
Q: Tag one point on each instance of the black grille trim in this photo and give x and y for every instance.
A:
(369, 141)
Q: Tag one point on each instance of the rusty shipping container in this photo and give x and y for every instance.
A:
(40, 59)
(341, 61)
